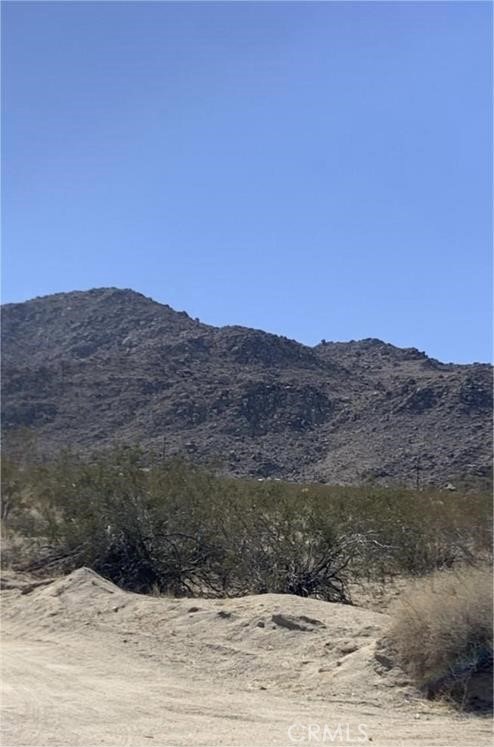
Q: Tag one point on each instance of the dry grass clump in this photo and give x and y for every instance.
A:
(442, 635)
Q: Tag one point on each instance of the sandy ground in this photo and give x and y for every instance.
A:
(84, 663)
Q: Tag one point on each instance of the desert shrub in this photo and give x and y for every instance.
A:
(414, 533)
(136, 525)
(275, 543)
(175, 527)
(442, 635)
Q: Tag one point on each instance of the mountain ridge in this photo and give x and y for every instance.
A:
(92, 367)
(366, 341)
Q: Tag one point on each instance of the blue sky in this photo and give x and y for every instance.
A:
(318, 170)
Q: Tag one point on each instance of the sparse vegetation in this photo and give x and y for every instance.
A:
(442, 635)
(173, 527)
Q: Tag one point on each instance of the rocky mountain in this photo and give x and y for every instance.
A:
(87, 369)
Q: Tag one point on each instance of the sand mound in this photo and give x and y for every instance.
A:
(87, 663)
(271, 641)
(83, 586)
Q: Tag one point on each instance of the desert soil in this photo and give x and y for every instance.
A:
(85, 663)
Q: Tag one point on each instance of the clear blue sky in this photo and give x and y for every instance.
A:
(312, 169)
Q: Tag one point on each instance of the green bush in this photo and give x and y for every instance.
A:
(174, 527)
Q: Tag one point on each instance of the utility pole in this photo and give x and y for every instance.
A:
(417, 473)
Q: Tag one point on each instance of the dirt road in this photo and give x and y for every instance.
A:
(84, 663)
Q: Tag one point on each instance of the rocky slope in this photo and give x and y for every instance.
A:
(89, 368)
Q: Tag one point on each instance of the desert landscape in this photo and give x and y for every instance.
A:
(246, 374)
(85, 663)
(169, 595)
